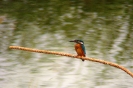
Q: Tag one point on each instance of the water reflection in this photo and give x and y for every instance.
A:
(106, 37)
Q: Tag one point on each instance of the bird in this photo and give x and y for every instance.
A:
(79, 48)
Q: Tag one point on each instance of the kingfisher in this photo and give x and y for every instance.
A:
(79, 48)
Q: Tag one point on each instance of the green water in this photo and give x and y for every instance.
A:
(105, 26)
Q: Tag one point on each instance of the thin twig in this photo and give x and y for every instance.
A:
(74, 56)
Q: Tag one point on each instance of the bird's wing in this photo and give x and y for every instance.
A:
(83, 48)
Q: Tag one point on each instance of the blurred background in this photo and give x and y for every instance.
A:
(106, 27)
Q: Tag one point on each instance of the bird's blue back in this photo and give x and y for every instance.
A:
(83, 47)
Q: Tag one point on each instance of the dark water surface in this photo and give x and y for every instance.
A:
(106, 28)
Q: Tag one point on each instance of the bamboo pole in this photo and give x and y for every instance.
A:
(73, 56)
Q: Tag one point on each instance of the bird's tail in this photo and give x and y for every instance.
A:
(83, 56)
(83, 60)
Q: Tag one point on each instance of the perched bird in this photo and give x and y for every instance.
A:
(80, 48)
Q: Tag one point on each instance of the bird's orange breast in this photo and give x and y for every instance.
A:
(79, 50)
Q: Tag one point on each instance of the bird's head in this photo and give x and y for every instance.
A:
(77, 41)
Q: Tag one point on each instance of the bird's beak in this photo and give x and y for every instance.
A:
(72, 41)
